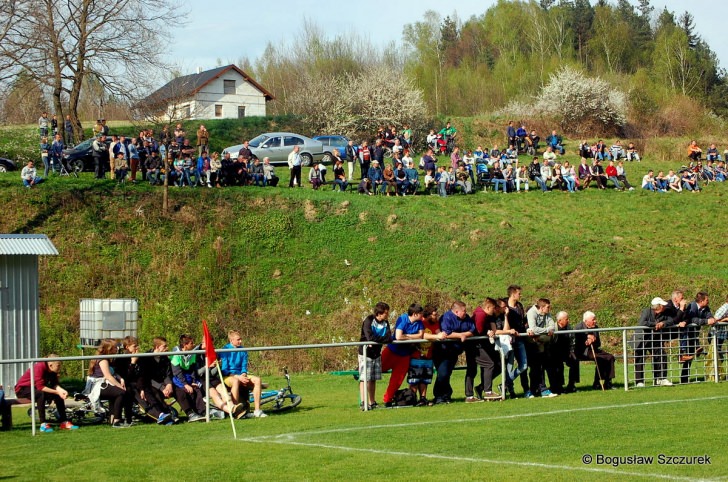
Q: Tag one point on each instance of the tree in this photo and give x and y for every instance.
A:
(62, 43)
(687, 23)
(24, 101)
(423, 41)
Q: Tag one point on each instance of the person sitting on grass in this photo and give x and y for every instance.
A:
(390, 184)
(534, 172)
(674, 181)
(632, 154)
(712, 153)
(690, 181)
(187, 385)
(622, 176)
(585, 177)
(521, 178)
(110, 386)
(569, 176)
(648, 181)
(598, 174)
(588, 347)
(375, 177)
(617, 151)
(29, 176)
(661, 181)
(612, 176)
(314, 176)
(554, 141)
(694, 152)
(396, 357)
(121, 168)
(234, 366)
(413, 177)
(47, 389)
(154, 383)
(374, 328)
(549, 156)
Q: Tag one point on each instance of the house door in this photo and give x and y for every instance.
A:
(241, 111)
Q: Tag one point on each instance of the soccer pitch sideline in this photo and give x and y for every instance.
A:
(669, 433)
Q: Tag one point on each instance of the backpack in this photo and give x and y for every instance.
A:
(404, 398)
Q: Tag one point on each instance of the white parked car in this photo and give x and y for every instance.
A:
(277, 146)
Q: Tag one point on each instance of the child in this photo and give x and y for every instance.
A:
(234, 366)
(443, 181)
(429, 180)
(121, 167)
(421, 365)
(364, 187)
(187, 386)
(47, 389)
(375, 327)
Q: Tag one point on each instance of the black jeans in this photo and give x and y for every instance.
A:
(41, 398)
(118, 399)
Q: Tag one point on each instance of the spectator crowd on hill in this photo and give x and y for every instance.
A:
(386, 166)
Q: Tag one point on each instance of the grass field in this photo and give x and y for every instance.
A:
(328, 438)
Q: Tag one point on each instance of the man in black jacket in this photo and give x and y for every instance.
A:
(154, 384)
(697, 314)
(651, 339)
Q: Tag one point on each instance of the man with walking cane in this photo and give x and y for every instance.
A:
(588, 347)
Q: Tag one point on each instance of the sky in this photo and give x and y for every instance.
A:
(233, 29)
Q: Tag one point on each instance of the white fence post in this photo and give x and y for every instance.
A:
(625, 360)
(366, 383)
(715, 356)
(32, 398)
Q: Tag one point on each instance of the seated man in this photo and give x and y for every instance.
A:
(588, 347)
(47, 389)
(153, 165)
(270, 173)
(617, 151)
(234, 366)
(187, 385)
(400, 179)
(549, 157)
(632, 154)
(712, 153)
(534, 173)
(29, 176)
(375, 176)
(219, 396)
(521, 135)
(598, 174)
(532, 140)
(257, 174)
(413, 178)
(694, 152)
(555, 141)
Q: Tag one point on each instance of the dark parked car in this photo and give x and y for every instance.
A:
(7, 165)
(80, 158)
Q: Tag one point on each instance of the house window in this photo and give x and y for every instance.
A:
(228, 87)
(241, 111)
(186, 112)
(218, 110)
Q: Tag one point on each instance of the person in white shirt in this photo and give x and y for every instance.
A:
(29, 175)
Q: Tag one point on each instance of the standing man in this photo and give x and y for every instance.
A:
(588, 347)
(203, 139)
(294, 164)
(458, 326)
(697, 314)
(350, 154)
(56, 153)
(397, 357)
(651, 339)
(483, 353)
(541, 328)
(562, 353)
(68, 129)
(98, 151)
(43, 125)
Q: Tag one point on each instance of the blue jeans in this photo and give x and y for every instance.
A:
(442, 389)
(571, 183)
(36, 180)
(541, 183)
(616, 182)
(443, 189)
(496, 182)
(518, 354)
(342, 184)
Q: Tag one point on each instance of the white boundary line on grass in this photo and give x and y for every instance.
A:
(289, 439)
(450, 458)
(480, 419)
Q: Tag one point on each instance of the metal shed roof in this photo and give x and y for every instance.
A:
(25, 244)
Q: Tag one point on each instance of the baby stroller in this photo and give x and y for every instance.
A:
(440, 145)
(482, 174)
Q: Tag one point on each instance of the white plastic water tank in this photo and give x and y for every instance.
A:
(107, 318)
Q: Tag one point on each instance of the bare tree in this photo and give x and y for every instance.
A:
(61, 43)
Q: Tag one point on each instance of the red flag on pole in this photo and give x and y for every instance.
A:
(210, 354)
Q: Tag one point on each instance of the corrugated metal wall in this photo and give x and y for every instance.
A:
(19, 324)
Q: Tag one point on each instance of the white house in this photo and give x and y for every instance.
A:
(222, 93)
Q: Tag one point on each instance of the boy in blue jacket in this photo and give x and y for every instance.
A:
(234, 367)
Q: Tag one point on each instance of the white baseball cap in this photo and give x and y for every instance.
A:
(658, 301)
